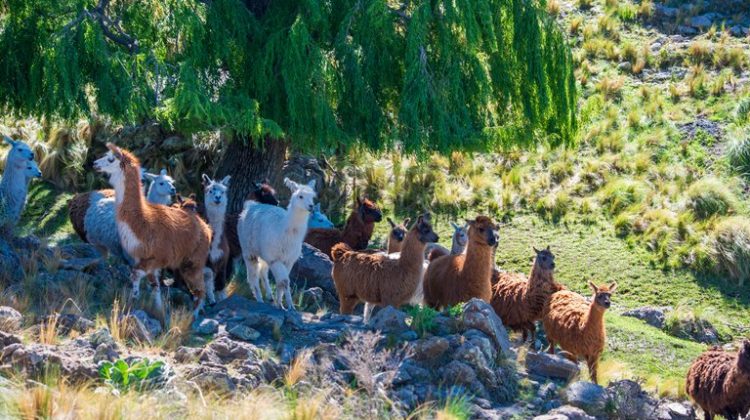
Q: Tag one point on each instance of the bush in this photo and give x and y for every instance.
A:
(422, 319)
(710, 197)
(622, 193)
(732, 247)
(738, 155)
(122, 376)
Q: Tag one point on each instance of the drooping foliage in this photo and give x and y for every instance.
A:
(430, 74)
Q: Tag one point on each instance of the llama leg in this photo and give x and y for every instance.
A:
(551, 349)
(347, 304)
(281, 275)
(153, 279)
(196, 283)
(252, 266)
(208, 278)
(593, 364)
(524, 335)
(532, 329)
(707, 416)
(266, 282)
(368, 312)
(135, 280)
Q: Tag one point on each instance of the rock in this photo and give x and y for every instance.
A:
(389, 320)
(701, 22)
(243, 332)
(695, 329)
(457, 372)
(686, 30)
(627, 400)
(565, 412)
(587, 396)
(313, 298)
(251, 313)
(665, 11)
(551, 366)
(106, 352)
(70, 322)
(675, 411)
(100, 336)
(152, 326)
(79, 264)
(651, 315)
(625, 66)
(11, 270)
(212, 378)
(136, 330)
(739, 31)
(79, 250)
(10, 319)
(479, 314)
(36, 360)
(313, 269)
(656, 46)
(206, 326)
(430, 349)
(547, 391)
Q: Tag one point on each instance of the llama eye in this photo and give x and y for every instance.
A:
(300, 197)
(111, 160)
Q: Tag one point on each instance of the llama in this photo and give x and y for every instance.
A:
(188, 203)
(155, 236)
(14, 185)
(577, 325)
(318, 219)
(719, 382)
(161, 189)
(458, 246)
(216, 199)
(92, 214)
(397, 235)
(377, 279)
(519, 301)
(452, 279)
(274, 236)
(357, 231)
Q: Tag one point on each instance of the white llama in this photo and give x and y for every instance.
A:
(14, 185)
(274, 235)
(161, 189)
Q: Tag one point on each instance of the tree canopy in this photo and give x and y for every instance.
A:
(430, 74)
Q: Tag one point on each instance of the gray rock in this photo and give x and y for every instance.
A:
(587, 396)
(739, 31)
(627, 400)
(651, 315)
(7, 339)
(686, 30)
(457, 372)
(36, 360)
(11, 270)
(389, 320)
(625, 66)
(206, 326)
(547, 391)
(153, 326)
(565, 412)
(479, 314)
(136, 330)
(243, 332)
(102, 335)
(253, 314)
(701, 22)
(106, 352)
(551, 366)
(70, 322)
(212, 379)
(79, 250)
(430, 349)
(79, 264)
(665, 11)
(313, 269)
(671, 410)
(313, 298)
(10, 319)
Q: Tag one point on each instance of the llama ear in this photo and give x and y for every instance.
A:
(163, 172)
(9, 140)
(178, 198)
(455, 226)
(359, 201)
(469, 222)
(547, 247)
(225, 180)
(206, 179)
(291, 184)
(407, 221)
(613, 287)
(150, 176)
(535, 250)
(115, 150)
(390, 222)
(593, 286)
(311, 184)
(192, 196)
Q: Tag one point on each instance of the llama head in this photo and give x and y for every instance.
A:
(264, 193)
(162, 185)
(303, 195)
(368, 211)
(186, 203)
(19, 153)
(31, 170)
(483, 231)
(398, 232)
(424, 230)
(115, 163)
(215, 192)
(318, 219)
(545, 259)
(461, 233)
(743, 357)
(603, 294)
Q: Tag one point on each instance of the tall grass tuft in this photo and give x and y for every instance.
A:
(732, 248)
(710, 197)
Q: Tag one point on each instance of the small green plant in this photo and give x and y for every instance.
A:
(622, 193)
(710, 197)
(422, 319)
(456, 310)
(124, 377)
(738, 155)
(455, 407)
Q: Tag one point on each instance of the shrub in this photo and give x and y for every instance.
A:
(611, 87)
(710, 197)
(553, 7)
(622, 193)
(738, 155)
(560, 170)
(700, 52)
(742, 111)
(732, 247)
(646, 9)
(122, 376)
(422, 319)
(553, 206)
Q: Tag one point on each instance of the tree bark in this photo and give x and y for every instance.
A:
(248, 163)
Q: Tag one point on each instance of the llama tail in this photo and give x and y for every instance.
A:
(339, 251)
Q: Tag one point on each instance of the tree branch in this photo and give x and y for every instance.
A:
(111, 29)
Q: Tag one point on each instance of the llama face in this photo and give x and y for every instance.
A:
(369, 211)
(109, 164)
(216, 191)
(545, 259)
(264, 193)
(398, 232)
(318, 219)
(187, 204)
(31, 170)
(603, 294)
(303, 196)
(460, 233)
(19, 153)
(162, 185)
(483, 231)
(424, 228)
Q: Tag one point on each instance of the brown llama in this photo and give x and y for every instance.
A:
(156, 236)
(719, 382)
(451, 279)
(518, 300)
(577, 325)
(397, 235)
(377, 279)
(357, 231)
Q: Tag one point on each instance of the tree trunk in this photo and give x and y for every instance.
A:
(248, 163)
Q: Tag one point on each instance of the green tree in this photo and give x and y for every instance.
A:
(319, 76)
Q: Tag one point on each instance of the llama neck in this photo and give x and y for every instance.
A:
(129, 198)
(539, 277)
(393, 245)
(594, 319)
(354, 231)
(296, 219)
(412, 251)
(456, 247)
(478, 263)
(14, 186)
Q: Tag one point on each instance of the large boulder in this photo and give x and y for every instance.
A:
(389, 320)
(587, 396)
(651, 315)
(36, 360)
(313, 269)
(479, 315)
(10, 319)
(212, 378)
(565, 412)
(551, 366)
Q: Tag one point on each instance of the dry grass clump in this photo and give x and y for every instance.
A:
(731, 248)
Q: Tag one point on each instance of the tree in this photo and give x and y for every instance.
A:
(320, 76)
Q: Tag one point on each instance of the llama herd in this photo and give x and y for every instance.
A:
(200, 243)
